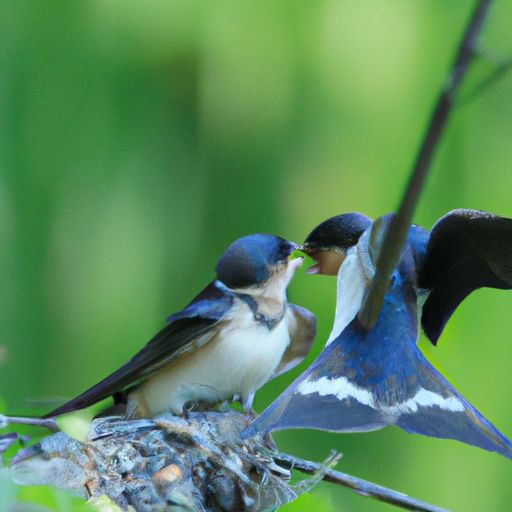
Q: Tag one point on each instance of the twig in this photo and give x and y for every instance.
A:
(396, 236)
(500, 71)
(50, 424)
(362, 487)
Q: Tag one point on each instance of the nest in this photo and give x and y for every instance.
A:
(198, 463)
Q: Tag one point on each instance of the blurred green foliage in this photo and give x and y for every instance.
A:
(138, 139)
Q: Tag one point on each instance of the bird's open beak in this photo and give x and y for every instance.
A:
(327, 261)
(315, 268)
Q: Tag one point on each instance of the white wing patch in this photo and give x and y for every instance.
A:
(339, 387)
(342, 388)
(426, 398)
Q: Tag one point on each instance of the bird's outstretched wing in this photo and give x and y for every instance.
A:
(186, 330)
(302, 327)
(438, 410)
(332, 394)
(467, 249)
(365, 381)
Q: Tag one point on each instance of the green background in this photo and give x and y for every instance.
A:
(139, 139)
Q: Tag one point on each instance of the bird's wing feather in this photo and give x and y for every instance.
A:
(364, 381)
(467, 249)
(438, 410)
(302, 328)
(186, 330)
(326, 395)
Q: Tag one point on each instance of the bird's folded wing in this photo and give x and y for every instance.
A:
(467, 249)
(302, 328)
(187, 330)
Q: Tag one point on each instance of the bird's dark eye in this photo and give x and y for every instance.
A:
(283, 250)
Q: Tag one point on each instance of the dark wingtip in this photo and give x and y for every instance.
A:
(431, 332)
(70, 406)
(56, 412)
(431, 327)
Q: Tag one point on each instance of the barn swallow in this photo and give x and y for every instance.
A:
(367, 379)
(234, 336)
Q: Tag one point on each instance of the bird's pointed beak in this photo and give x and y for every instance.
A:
(295, 262)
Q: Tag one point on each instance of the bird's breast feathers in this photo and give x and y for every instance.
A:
(250, 351)
(242, 356)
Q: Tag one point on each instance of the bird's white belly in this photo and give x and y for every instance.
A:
(238, 361)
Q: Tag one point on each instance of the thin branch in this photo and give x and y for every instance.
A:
(397, 234)
(499, 72)
(360, 486)
(50, 423)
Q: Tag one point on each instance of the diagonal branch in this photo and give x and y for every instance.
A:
(358, 485)
(397, 234)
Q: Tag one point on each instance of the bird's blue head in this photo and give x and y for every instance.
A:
(253, 259)
(330, 240)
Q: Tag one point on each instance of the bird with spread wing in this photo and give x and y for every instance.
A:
(368, 378)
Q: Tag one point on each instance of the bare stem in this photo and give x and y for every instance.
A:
(360, 486)
(397, 234)
(50, 423)
(500, 71)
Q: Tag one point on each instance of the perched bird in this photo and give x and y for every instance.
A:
(234, 336)
(365, 380)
